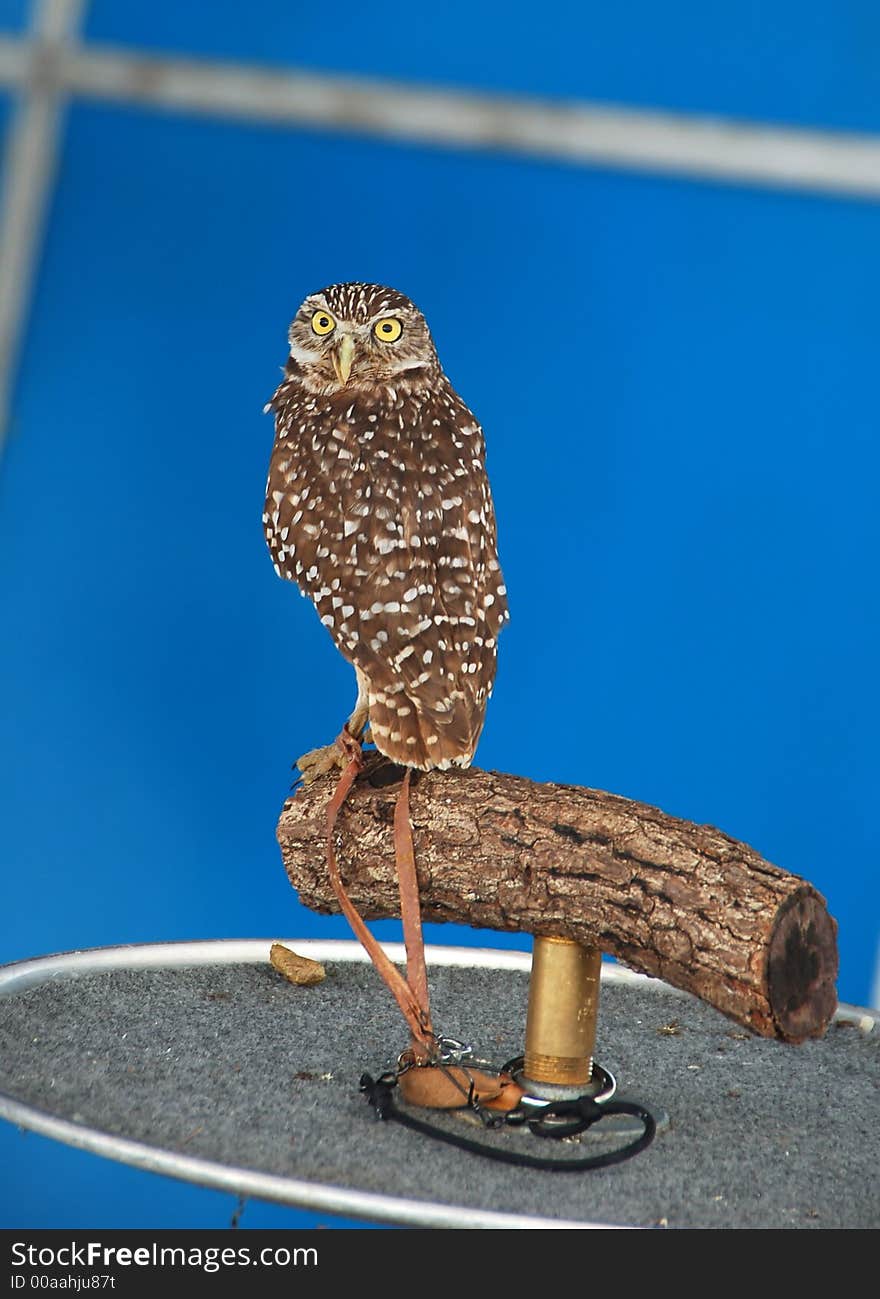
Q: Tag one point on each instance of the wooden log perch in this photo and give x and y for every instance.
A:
(681, 901)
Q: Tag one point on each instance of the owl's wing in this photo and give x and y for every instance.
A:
(431, 596)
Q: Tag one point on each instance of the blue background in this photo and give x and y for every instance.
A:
(678, 385)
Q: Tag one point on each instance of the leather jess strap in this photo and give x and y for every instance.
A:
(416, 1015)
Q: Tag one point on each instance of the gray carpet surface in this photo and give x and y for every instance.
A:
(233, 1064)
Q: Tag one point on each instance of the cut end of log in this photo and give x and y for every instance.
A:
(802, 967)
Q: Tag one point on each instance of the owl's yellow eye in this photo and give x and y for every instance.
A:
(389, 329)
(323, 323)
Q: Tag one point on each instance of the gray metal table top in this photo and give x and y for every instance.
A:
(197, 1060)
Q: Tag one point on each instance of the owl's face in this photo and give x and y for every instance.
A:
(358, 336)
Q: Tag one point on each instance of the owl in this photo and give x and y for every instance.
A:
(379, 508)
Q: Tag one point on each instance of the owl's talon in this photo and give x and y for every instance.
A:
(320, 762)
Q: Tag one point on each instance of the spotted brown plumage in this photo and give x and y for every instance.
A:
(379, 508)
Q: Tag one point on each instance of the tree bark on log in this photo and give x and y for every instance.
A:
(670, 898)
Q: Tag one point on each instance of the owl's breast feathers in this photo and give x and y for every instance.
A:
(379, 508)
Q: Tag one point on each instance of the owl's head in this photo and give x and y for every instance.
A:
(358, 336)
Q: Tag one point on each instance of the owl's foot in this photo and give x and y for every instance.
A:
(331, 757)
(319, 762)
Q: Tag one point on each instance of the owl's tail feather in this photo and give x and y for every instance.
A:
(420, 733)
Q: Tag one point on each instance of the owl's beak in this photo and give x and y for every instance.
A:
(343, 357)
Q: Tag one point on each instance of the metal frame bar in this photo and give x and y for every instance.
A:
(31, 158)
(47, 66)
(709, 148)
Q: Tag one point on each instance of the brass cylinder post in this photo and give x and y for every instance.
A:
(561, 1021)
